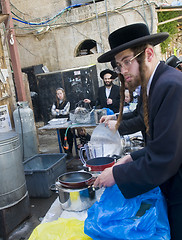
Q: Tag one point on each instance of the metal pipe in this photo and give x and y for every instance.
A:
(15, 59)
(98, 25)
(107, 18)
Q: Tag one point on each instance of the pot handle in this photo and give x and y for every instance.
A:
(81, 155)
(116, 157)
(90, 182)
(53, 188)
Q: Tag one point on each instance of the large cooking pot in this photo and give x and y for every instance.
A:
(75, 191)
(76, 199)
(76, 180)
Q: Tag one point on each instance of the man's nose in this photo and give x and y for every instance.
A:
(124, 70)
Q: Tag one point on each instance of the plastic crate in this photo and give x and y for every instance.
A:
(41, 171)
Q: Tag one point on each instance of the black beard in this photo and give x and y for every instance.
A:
(108, 84)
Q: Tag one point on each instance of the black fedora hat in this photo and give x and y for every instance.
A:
(113, 74)
(131, 36)
(173, 61)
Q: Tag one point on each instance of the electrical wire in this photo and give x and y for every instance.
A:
(26, 49)
(19, 10)
(151, 12)
(62, 11)
(49, 20)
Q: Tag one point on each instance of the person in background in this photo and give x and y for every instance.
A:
(128, 96)
(132, 122)
(109, 94)
(159, 163)
(60, 109)
(127, 100)
(174, 62)
(83, 136)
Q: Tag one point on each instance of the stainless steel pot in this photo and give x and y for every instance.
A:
(76, 199)
(132, 144)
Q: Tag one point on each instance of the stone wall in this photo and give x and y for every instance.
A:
(55, 45)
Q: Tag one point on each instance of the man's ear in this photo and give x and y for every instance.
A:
(149, 52)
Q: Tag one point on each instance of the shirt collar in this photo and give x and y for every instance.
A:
(150, 80)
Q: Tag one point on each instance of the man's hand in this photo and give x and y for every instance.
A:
(105, 118)
(109, 101)
(105, 179)
(124, 160)
(111, 125)
(86, 100)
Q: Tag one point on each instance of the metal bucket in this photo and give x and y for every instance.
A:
(77, 200)
(12, 178)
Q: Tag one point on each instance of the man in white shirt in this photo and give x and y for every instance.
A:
(109, 94)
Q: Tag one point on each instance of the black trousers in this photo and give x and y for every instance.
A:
(175, 221)
(69, 138)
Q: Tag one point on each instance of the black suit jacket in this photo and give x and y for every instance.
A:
(133, 121)
(160, 162)
(114, 95)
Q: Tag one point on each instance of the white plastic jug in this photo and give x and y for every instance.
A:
(110, 140)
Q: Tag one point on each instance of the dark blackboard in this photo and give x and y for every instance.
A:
(47, 84)
(78, 84)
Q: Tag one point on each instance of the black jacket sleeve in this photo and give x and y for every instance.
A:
(133, 121)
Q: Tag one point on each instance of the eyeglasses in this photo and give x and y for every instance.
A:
(126, 63)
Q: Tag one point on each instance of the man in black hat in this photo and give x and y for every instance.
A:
(159, 163)
(109, 94)
(174, 62)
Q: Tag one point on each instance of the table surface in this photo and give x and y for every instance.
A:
(66, 125)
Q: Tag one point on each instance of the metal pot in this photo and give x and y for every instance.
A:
(76, 199)
(96, 163)
(100, 163)
(132, 144)
(78, 193)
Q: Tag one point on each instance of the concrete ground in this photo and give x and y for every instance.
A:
(39, 206)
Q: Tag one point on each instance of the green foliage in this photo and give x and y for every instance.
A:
(170, 27)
